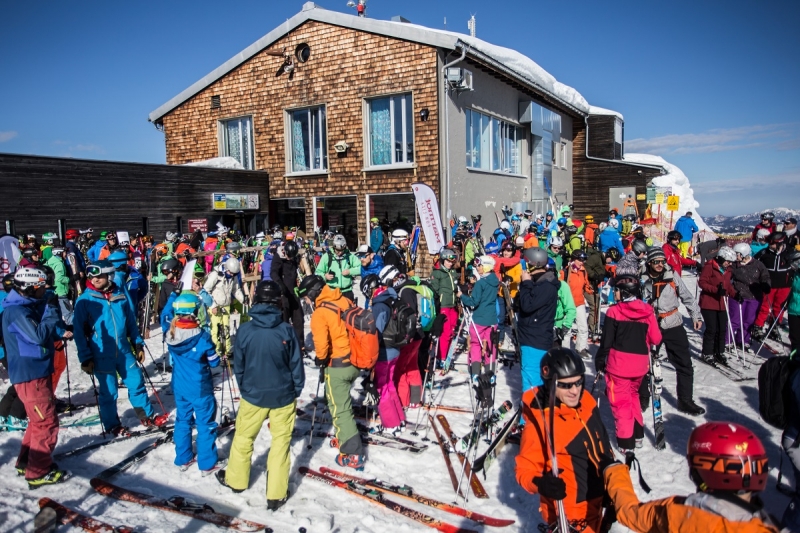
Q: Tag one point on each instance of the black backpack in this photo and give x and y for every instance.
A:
(773, 389)
(402, 325)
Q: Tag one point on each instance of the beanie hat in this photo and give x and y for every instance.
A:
(655, 253)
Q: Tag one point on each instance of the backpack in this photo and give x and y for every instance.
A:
(401, 326)
(426, 306)
(362, 332)
(773, 389)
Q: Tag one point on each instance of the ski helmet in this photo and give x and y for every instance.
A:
(29, 278)
(171, 236)
(267, 292)
(578, 255)
(310, 287)
(277, 234)
(118, 258)
(673, 235)
(614, 254)
(602, 226)
(590, 219)
(727, 457)
(462, 220)
(101, 268)
(388, 274)
(399, 235)
(793, 258)
(446, 254)
(776, 237)
(726, 253)
(571, 230)
(72, 234)
(768, 215)
(491, 248)
(57, 250)
(49, 237)
(639, 246)
(233, 247)
(186, 303)
(628, 286)
(528, 213)
(556, 241)
(535, 257)
(519, 242)
(8, 282)
(560, 363)
(743, 249)
(487, 261)
(507, 245)
(49, 275)
(505, 224)
(369, 283)
(762, 234)
(170, 265)
(291, 249)
(551, 264)
(550, 213)
(614, 223)
(339, 242)
(232, 265)
(562, 221)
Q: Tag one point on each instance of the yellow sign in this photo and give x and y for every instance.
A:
(659, 198)
(672, 202)
(641, 196)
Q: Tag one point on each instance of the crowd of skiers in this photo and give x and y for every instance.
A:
(528, 293)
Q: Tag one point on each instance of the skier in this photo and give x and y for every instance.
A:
(48, 239)
(112, 244)
(750, 280)
(269, 369)
(774, 258)
(664, 290)
(61, 282)
(223, 286)
(578, 281)
(727, 463)
(340, 267)
(507, 268)
(791, 435)
(12, 410)
(687, 227)
(767, 223)
(673, 254)
(375, 234)
(760, 242)
(483, 301)
(28, 335)
(562, 418)
(792, 237)
(30, 258)
(119, 259)
(193, 356)
(590, 231)
(596, 271)
(371, 263)
(105, 329)
(708, 249)
(629, 332)
(565, 310)
(554, 252)
(443, 283)
(609, 238)
(715, 286)
(632, 264)
(397, 253)
(284, 273)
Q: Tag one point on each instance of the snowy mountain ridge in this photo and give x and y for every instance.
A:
(745, 223)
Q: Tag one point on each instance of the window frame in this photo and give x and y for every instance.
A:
(521, 136)
(222, 138)
(564, 155)
(367, 131)
(289, 148)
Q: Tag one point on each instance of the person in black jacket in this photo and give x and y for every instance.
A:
(774, 258)
(284, 272)
(269, 369)
(596, 271)
(536, 314)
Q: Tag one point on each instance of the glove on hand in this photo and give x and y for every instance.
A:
(320, 363)
(721, 290)
(88, 366)
(372, 397)
(551, 487)
(140, 353)
(483, 387)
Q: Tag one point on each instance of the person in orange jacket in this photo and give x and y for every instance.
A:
(561, 415)
(728, 464)
(578, 281)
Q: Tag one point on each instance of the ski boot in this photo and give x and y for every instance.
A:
(720, 359)
(274, 505)
(709, 359)
(51, 478)
(155, 420)
(689, 407)
(219, 465)
(757, 333)
(220, 475)
(351, 461)
(120, 431)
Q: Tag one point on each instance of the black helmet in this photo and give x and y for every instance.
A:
(639, 246)
(49, 275)
(559, 363)
(776, 237)
(535, 257)
(311, 286)
(628, 285)
(769, 215)
(170, 265)
(571, 230)
(614, 254)
(580, 255)
(672, 235)
(267, 292)
(369, 283)
(290, 248)
(8, 282)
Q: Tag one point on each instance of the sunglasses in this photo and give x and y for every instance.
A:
(568, 386)
(658, 262)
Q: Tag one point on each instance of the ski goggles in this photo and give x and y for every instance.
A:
(567, 386)
(92, 271)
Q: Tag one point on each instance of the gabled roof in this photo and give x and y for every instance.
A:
(514, 64)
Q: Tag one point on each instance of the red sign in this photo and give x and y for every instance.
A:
(198, 224)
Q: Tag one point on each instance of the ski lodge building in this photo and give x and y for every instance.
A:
(343, 113)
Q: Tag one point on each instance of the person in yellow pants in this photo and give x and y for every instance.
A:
(224, 286)
(269, 368)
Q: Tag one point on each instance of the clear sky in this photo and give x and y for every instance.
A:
(711, 86)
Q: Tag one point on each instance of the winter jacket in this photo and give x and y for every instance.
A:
(687, 227)
(698, 512)
(792, 406)
(595, 266)
(105, 327)
(770, 228)
(193, 357)
(376, 238)
(223, 289)
(675, 260)
(138, 287)
(382, 311)
(756, 247)
(629, 331)
(121, 281)
(557, 258)
(578, 282)
(565, 310)
(777, 265)
(590, 233)
(582, 445)
(283, 271)
(338, 264)
(267, 361)
(710, 280)
(28, 335)
(72, 249)
(93, 253)
(61, 284)
(665, 293)
(751, 280)
(374, 267)
(609, 238)
(793, 307)
(483, 300)
(536, 310)
(515, 274)
(396, 257)
(443, 283)
(166, 290)
(211, 244)
(330, 335)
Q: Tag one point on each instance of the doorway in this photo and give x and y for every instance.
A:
(338, 214)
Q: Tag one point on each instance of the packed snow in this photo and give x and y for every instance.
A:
(217, 162)
(320, 508)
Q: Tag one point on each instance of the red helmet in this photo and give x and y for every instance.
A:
(73, 234)
(727, 456)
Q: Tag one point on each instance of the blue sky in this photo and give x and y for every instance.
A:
(711, 86)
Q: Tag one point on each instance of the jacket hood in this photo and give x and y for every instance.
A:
(492, 280)
(15, 298)
(185, 339)
(548, 277)
(610, 229)
(634, 310)
(328, 294)
(266, 315)
(388, 294)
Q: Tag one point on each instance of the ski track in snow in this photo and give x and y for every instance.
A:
(320, 508)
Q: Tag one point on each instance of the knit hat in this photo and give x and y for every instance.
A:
(655, 253)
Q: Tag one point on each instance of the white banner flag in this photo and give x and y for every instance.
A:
(188, 272)
(428, 209)
(9, 255)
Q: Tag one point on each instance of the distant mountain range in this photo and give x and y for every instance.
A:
(745, 223)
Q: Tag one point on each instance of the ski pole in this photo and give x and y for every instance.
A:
(766, 335)
(69, 385)
(435, 410)
(97, 402)
(316, 402)
(549, 438)
(428, 375)
(153, 359)
(155, 392)
(741, 331)
(730, 328)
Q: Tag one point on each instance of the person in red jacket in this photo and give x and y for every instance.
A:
(674, 258)
(715, 286)
(767, 223)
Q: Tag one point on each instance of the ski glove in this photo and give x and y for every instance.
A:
(140, 353)
(88, 366)
(371, 391)
(320, 363)
(551, 487)
(483, 387)
(721, 290)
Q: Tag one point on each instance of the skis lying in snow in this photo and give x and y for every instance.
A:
(486, 460)
(376, 440)
(408, 493)
(100, 444)
(474, 482)
(68, 517)
(446, 455)
(447, 408)
(377, 498)
(137, 457)
(730, 373)
(178, 505)
(364, 430)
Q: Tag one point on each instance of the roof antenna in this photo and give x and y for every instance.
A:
(471, 25)
(360, 5)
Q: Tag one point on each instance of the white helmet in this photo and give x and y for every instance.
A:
(504, 224)
(27, 277)
(171, 236)
(57, 250)
(388, 274)
(232, 265)
(614, 223)
(762, 233)
(260, 235)
(556, 241)
(278, 234)
(742, 249)
(726, 253)
(463, 220)
(399, 234)
(339, 242)
(602, 226)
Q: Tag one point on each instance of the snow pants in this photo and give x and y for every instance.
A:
(201, 412)
(448, 330)
(593, 301)
(676, 342)
(623, 397)
(582, 324)
(794, 333)
(748, 309)
(125, 366)
(772, 303)
(249, 420)
(684, 248)
(480, 340)
(389, 407)
(41, 435)
(222, 339)
(530, 360)
(338, 382)
(791, 444)
(293, 314)
(714, 334)
(407, 377)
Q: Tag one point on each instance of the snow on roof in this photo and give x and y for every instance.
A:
(217, 162)
(594, 110)
(517, 65)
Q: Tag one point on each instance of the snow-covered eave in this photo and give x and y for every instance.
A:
(595, 110)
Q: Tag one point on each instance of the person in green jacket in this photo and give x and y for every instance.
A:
(554, 253)
(574, 238)
(565, 310)
(339, 268)
(56, 262)
(444, 284)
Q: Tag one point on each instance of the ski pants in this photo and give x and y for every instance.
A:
(389, 407)
(623, 397)
(684, 248)
(714, 334)
(222, 339)
(249, 420)
(407, 377)
(794, 333)
(676, 342)
(129, 372)
(582, 324)
(531, 373)
(338, 382)
(772, 303)
(748, 309)
(200, 411)
(480, 341)
(448, 330)
(41, 435)
(293, 314)
(593, 301)
(791, 444)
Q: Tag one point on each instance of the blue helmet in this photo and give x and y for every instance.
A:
(492, 248)
(562, 221)
(549, 213)
(118, 258)
(186, 303)
(514, 218)
(551, 264)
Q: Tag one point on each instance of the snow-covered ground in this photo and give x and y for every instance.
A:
(320, 508)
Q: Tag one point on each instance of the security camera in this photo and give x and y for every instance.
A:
(341, 147)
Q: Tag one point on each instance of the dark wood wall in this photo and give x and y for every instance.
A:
(35, 192)
(601, 137)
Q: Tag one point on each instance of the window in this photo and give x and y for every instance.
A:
(493, 144)
(309, 144)
(391, 134)
(563, 155)
(237, 140)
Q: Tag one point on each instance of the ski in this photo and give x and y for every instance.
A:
(364, 430)
(178, 505)
(377, 498)
(370, 440)
(408, 493)
(448, 408)
(451, 350)
(655, 398)
(486, 460)
(512, 318)
(100, 444)
(359, 413)
(137, 457)
(69, 517)
(728, 372)
(362, 425)
(474, 482)
(446, 455)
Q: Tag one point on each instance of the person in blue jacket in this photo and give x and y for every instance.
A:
(193, 355)
(119, 258)
(105, 329)
(93, 253)
(609, 238)
(371, 263)
(483, 301)
(375, 234)
(687, 227)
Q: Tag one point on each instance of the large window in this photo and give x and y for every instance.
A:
(391, 131)
(237, 140)
(308, 140)
(493, 144)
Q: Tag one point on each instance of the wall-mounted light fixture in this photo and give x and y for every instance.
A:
(424, 114)
(341, 147)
